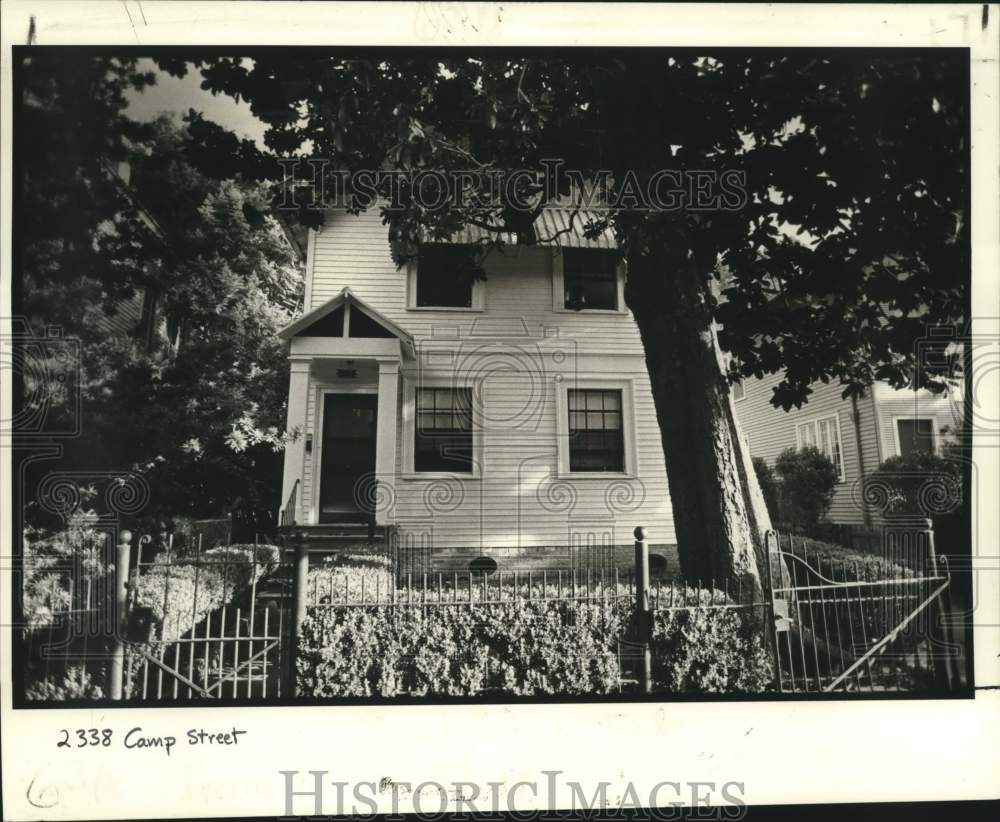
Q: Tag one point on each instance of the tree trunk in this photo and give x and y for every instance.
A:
(719, 512)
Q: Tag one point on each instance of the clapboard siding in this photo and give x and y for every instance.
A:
(521, 350)
(771, 430)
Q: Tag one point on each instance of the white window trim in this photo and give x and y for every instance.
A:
(559, 293)
(478, 295)
(815, 421)
(895, 431)
(631, 456)
(409, 426)
(741, 384)
(319, 397)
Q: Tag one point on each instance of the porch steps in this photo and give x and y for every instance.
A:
(337, 537)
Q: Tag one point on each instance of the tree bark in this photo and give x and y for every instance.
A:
(719, 513)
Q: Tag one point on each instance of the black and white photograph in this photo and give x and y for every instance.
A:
(463, 373)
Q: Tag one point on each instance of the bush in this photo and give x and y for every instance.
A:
(72, 683)
(709, 650)
(768, 486)
(177, 597)
(919, 483)
(522, 647)
(808, 479)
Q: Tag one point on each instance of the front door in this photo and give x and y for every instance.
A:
(348, 460)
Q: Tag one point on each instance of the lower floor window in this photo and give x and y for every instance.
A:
(916, 436)
(443, 434)
(823, 434)
(595, 430)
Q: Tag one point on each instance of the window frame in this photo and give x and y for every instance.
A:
(741, 384)
(815, 422)
(478, 292)
(630, 457)
(408, 428)
(914, 417)
(559, 291)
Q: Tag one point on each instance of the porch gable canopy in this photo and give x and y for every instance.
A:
(347, 316)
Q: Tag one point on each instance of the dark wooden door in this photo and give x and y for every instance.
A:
(348, 456)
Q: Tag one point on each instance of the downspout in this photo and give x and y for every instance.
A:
(856, 418)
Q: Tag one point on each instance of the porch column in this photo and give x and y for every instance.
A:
(295, 451)
(385, 447)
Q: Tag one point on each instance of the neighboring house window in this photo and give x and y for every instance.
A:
(590, 279)
(823, 433)
(915, 436)
(739, 391)
(596, 442)
(443, 432)
(440, 281)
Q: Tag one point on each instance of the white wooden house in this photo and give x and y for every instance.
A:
(497, 416)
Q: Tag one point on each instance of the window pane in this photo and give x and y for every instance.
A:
(916, 436)
(443, 436)
(590, 278)
(596, 442)
(443, 279)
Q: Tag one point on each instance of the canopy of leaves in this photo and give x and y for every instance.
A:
(201, 413)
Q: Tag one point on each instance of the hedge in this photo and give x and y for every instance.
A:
(165, 594)
(521, 647)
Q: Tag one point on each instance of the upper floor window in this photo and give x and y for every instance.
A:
(596, 441)
(822, 433)
(443, 432)
(590, 279)
(739, 391)
(915, 436)
(442, 277)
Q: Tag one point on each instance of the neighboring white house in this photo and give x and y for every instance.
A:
(507, 413)
(856, 435)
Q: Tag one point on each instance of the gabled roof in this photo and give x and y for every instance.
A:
(347, 297)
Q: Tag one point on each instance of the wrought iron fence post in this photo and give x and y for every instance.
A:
(643, 609)
(116, 670)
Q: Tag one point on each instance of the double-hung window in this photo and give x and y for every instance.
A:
(823, 433)
(442, 277)
(443, 430)
(590, 279)
(596, 440)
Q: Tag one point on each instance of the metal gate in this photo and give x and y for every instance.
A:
(203, 643)
(870, 625)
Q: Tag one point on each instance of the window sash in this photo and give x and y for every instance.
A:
(596, 430)
(442, 438)
(824, 435)
(439, 281)
(590, 279)
(919, 438)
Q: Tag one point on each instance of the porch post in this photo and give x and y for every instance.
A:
(295, 451)
(385, 448)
